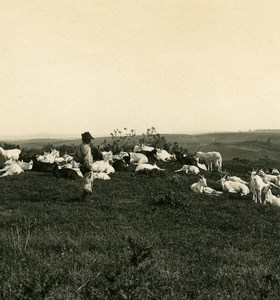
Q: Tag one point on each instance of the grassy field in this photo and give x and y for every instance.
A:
(139, 236)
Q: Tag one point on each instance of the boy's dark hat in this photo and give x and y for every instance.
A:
(87, 135)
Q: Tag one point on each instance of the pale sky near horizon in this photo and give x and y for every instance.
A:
(178, 65)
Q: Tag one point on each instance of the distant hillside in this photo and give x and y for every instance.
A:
(252, 144)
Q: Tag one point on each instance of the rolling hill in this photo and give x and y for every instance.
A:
(251, 144)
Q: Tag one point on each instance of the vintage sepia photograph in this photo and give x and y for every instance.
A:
(139, 149)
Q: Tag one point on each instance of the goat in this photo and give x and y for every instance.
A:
(234, 186)
(49, 157)
(142, 147)
(256, 185)
(104, 165)
(202, 188)
(10, 153)
(138, 158)
(96, 154)
(163, 155)
(189, 169)
(88, 179)
(270, 198)
(185, 158)
(40, 166)
(235, 179)
(11, 168)
(210, 159)
(25, 166)
(267, 177)
(120, 165)
(274, 171)
(147, 167)
(67, 173)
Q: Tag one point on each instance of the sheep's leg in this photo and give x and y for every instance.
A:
(4, 169)
(259, 196)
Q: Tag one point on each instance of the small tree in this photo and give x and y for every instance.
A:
(122, 140)
(154, 139)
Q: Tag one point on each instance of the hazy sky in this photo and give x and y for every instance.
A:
(179, 65)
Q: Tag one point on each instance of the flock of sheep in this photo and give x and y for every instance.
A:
(145, 157)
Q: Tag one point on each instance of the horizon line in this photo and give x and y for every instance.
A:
(36, 136)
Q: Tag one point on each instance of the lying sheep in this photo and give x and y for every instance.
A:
(234, 186)
(270, 198)
(11, 168)
(147, 167)
(68, 173)
(202, 188)
(189, 169)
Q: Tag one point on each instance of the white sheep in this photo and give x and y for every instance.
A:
(104, 165)
(138, 158)
(274, 171)
(202, 188)
(11, 168)
(189, 169)
(236, 179)
(88, 179)
(210, 159)
(256, 185)
(49, 157)
(143, 147)
(10, 153)
(24, 165)
(146, 167)
(234, 186)
(267, 177)
(270, 198)
(163, 155)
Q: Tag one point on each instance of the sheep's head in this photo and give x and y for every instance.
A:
(202, 180)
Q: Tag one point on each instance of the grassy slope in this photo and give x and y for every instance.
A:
(54, 246)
